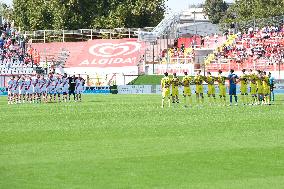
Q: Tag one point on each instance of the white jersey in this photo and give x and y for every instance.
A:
(79, 86)
(22, 84)
(29, 86)
(44, 83)
(36, 83)
(65, 83)
(79, 83)
(11, 84)
(41, 83)
(49, 83)
(16, 85)
(57, 83)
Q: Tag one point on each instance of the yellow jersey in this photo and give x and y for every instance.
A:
(166, 83)
(175, 82)
(198, 80)
(221, 80)
(265, 81)
(210, 80)
(244, 80)
(186, 81)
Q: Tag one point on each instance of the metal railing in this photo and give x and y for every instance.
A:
(45, 36)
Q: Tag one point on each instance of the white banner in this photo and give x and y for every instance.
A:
(179, 69)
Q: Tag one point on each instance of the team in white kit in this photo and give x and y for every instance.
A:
(37, 89)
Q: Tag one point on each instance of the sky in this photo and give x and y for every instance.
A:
(175, 5)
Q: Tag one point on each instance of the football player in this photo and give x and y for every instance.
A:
(175, 85)
(165, 85)
(210, 80)
(186, 81)
(198, 80)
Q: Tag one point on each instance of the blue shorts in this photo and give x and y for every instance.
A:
(233, 91)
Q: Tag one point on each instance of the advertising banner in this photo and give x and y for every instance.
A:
(100, 53)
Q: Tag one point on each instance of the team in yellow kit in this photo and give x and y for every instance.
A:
(257, 84)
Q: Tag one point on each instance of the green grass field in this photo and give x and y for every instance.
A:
(128, 141)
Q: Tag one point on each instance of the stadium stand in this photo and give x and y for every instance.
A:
(183, 51)
(255, 49)
(15, 56)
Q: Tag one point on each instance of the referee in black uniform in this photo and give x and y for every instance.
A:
(72, 86)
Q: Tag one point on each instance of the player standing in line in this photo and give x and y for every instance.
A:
(43, 89)
(165, 85)
(222, 87)
(244, 87)
(11, 84)
(50, 87)
(253, 88)
(210, 80)
(30, 89)
(16, 89)
(22, 84)
(175, 85)
(65, 87)
(72, 87)
(57, 89)
(36, 85)
(41, 83)
(233, 87)
(186, 89)
(266, 89)
(198, 80)
(259, 87)
(272, 86)
(79, 88)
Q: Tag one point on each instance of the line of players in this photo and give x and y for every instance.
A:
(257, 84)
(54, 88)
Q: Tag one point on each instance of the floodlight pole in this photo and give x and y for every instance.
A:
(153, 58)
(194, 21)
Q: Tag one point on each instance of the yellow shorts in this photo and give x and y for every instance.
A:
(266, 90)
(187, 91)
(199, 89)
(253, 89)
(211, 90)
(166, 92)
(244, 89)
(260, 90)
(175, 91)
(222, 90)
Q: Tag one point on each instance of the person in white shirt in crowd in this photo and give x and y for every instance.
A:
(11, 84)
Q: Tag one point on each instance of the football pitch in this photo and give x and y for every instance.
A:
(128, 141)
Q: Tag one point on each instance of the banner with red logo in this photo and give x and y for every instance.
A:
(109, 53)
(96, 53)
